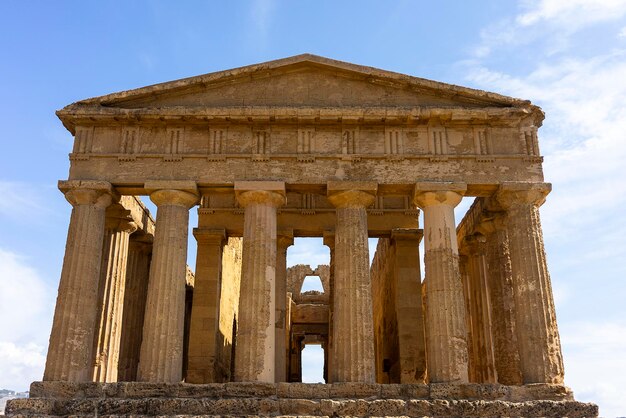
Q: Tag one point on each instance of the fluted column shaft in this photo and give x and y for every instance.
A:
(135, 294)
(205, 307)
(161, 358)
(256, 333)
(353, 322)
(446, 349)
(482, 362)
(541, 360)
(118, 227)
(409, 307)
(329, 241)
(283, 241)
(70, 351)
(502, 301)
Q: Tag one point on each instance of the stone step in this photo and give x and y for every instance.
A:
(150, 407)
(53, 399)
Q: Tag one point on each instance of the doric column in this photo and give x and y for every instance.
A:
(135, 294)
(205, 306)
(162, 345)
(255, 356)
(329, 241)
(500, 283)
(481, 359)
(408, 303)
(446, 349)
(118, 227)
(284, 239)
(538, 337)
(70, 353)
(353, 326)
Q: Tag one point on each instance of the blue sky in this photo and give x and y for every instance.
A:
(568, 56)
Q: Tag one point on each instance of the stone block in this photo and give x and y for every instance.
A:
(540, 391)
(386, 407)
(299, 407)
(87, 407)
(355, 390)
(468, 391)
(250, 389)
(29, 406)
(418, 408)
(122, 407)
(207, 390)
(303, 390)
(352, 407)
(148, 390)
(328, 407)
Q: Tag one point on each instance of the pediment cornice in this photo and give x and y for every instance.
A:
(212, 95)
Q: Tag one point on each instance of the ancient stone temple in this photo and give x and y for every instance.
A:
(304, 147)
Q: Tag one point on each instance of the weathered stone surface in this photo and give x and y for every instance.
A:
(304, 147)
(348, 399)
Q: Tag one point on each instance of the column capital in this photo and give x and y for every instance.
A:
(512, 194)
(88, 192)
(119, 219)
(284, 238)
(409, 235)
(472, 245)
(351, 194)
(329, 239)
(173, 192)
(491, 223)
(436, 193)
(210, 236)
(266, 192)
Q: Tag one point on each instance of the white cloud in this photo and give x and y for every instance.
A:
(596, 346)
(584, 146)
(26, 304)
(573, 14)
(547, 24)
(622, 33)
(311, 251)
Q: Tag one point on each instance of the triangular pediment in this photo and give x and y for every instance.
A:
(303, 81)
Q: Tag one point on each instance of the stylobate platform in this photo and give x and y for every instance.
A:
(137, 399)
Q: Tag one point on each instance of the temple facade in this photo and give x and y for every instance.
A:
(308, 147)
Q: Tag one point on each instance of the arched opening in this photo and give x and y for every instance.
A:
(312, 283)
(308, 272)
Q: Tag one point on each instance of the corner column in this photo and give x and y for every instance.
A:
(256, 334)
(205, 307)
(502, 301)
(161, 358)
(283, 241)
(353, 322)
(446, 337)
(118, 227)
(541, 360)
(70, 353)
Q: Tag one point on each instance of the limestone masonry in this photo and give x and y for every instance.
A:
(304, 147)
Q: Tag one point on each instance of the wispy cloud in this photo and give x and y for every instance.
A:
(593, 346)
(585, 148)
(26, 304)
(547, 24)
(261, 16)
(19, 198)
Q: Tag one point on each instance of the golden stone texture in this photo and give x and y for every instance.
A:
(304, 147)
